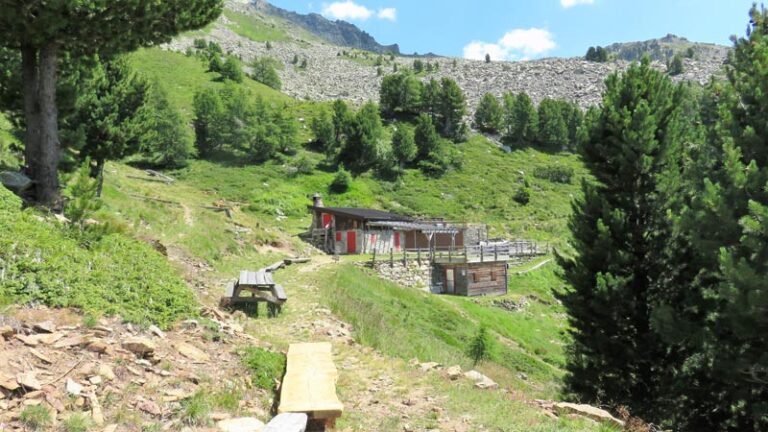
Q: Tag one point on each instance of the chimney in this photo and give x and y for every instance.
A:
(317, 200)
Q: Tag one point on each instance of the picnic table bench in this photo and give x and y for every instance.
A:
(254, 287)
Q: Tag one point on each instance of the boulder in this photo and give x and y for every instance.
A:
(70, 342)
(106, 372)
(140, 346)
(7, 331)
(588, 411)
(155, 330)
(242, 424)
(453, 373)
(481, 381)
(428, 366)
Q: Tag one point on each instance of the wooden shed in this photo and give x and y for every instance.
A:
(474, 271)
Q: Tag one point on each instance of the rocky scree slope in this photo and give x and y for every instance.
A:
(330, 75)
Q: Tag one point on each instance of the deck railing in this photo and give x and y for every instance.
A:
(467, 254)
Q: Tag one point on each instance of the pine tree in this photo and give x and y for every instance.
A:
(617, 228)
(430, 99)
(552, 130)
(209, 122)
(362, 149)
(489, 114)
(44, 32)
(231, 70)
(325, 133)
(427, 139)
(167, 140)
(404, 145)
(521, 119)
(712, 312)
(452, 107)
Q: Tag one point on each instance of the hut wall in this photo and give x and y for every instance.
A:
(418, 240)
(488, 278)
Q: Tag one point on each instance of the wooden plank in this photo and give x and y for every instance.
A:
(279, 293)
(230, 290)
(275, 267)
(290, 261)
(309, 385)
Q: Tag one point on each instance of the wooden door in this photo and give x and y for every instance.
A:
(450, 282)
(351, 242)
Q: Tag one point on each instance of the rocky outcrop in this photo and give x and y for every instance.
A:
(338, 32)
(664, 48)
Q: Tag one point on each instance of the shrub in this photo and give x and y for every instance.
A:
(81, 192)
(482, 345)
(554, 174)
(116, 275)
(342, 181)
(302, 165)
(35, 417)
(522, 196)
(266, 367)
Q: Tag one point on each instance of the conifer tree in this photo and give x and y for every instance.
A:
(489, 114)
(712, 312)
(45, 32)
(404, 145)
(452, 107)
(617, 229)
(427, 139)
(552, 130)
(521, 118)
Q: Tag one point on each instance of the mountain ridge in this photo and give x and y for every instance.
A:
(337, 32)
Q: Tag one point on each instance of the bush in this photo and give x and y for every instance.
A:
(116, 275)
(264, 70)
(554, 174)
(195, 410)
(266, 367)
(675, 66)
(482, 346)
(231, 70)
(302, 165)
(342, 181)
(81, 191)
(522, 196)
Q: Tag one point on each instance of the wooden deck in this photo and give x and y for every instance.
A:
(309, 385)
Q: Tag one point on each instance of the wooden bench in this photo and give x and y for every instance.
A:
(309, 385)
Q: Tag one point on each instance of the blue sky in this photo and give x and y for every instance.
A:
(520, 29)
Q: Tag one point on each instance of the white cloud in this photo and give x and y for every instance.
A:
(387, 14)
(347, 10)
(514, 45)
(571, 3)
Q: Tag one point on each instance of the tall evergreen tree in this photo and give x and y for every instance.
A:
(489, 114)
(617, 231)
(452, 107)
(427, 139)
(430, 99)
(713, 311)
(404, 145)
(552, 131)
(362, 149)
(521, 118)
(325, 133)
(44, 31)
(166, 139)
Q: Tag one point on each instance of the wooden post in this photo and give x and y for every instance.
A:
(405, 258)
(418, 255)
(391, 258)
(496, 253)
(482, 258)
(374, 257)
(449, 255)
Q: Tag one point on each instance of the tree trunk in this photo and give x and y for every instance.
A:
(48, 192)
(30, 78)
(99, 176)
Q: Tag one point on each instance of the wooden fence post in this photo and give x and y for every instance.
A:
(391, 258)
(418, 256)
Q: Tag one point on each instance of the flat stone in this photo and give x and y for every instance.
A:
(49, 338)
(243, 424)
(29, 381)
(428, 366)
(140, 346)
(28, 340)
(70, 342)
(8, 382)
(481, 381)
(156, 331)
(192, 352)
(588, 411)
(287, 422)
(97, 346)
(44, 327)
(40, 356)
(73, 388)
(95, 380)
